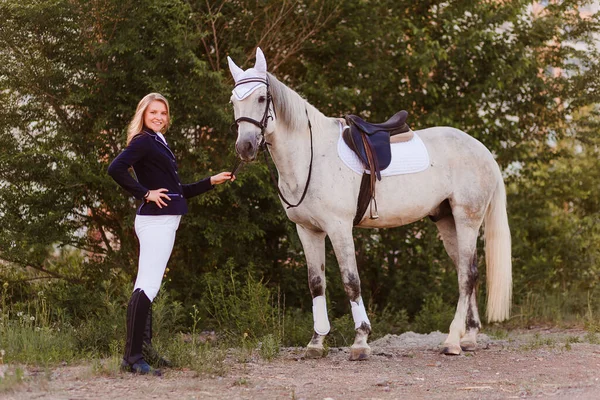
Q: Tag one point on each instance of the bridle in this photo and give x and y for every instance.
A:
(262, 125)
(264, 121)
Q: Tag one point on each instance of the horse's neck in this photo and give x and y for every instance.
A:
(291, 147)
(291, 155)
(291, 152)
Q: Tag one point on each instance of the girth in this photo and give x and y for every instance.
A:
(371, 143)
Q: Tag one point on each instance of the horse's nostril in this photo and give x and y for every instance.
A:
(246, 149)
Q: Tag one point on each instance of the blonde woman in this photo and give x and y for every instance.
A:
(163, 203)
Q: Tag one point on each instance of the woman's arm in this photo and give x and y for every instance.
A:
(119, 167)
(206, 184)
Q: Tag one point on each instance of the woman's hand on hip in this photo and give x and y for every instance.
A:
(222, 177)
(158, 196)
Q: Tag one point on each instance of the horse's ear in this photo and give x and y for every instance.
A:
(235, 70)
(261, 62)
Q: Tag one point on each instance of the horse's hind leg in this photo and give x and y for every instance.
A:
(343, 245)
(466, 323)
(314, 248)
(469, 341)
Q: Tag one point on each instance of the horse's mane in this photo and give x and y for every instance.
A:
(290, 107)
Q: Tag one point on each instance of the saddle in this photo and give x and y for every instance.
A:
(371, 143)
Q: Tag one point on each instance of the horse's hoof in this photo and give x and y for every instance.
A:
(451, 350)
(359, 354)
(468, 346)
(314, 352)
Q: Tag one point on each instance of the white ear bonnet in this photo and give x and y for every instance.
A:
(256, 76)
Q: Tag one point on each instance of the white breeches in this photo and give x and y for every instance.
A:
(156, 234)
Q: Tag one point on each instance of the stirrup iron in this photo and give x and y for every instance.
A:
(376, 214)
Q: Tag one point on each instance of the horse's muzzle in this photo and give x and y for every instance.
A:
(247, 150)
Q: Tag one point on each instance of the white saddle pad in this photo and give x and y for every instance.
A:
(407, 157)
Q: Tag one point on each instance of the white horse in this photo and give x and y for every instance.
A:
(461, 189)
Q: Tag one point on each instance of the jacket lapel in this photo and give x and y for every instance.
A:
(159, 140)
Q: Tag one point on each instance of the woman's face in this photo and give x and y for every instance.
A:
(156, 116)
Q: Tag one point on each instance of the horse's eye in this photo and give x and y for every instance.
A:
(262, 99)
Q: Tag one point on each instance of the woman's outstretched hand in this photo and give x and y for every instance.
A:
(222, 177)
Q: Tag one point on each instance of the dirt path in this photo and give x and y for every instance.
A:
(543, 364)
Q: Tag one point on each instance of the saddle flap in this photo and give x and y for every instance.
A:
(379, 144)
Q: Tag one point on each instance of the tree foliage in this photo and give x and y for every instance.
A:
(521, 79)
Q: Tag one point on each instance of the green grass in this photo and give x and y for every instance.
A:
(269, 347)
(496, 332)
(201, 357)
(538, 342)
(37, 345)
(111, 365)
(435, 315)
(562, 310)
(251, 323)
(592, 338)
(11, 378)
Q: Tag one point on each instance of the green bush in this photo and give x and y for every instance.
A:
(342, 331)
(28, 344)
(242, 307)
(435, 315)
(27, 338)
(298, 327)
(269, 346)
(388, 321)
(201, 357)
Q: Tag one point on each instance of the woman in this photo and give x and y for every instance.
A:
(163, 203)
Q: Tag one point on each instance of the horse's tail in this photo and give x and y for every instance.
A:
(498, 256)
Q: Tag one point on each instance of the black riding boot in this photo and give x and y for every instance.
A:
(137, 314)
(150, 354)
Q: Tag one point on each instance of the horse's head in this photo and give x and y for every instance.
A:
(252, 106)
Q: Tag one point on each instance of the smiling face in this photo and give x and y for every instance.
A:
(156, 116)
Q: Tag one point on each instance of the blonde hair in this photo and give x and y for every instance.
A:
(137, 122)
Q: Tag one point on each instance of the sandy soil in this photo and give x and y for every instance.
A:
(557, 364)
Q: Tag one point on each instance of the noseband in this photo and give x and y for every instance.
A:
(262, 125)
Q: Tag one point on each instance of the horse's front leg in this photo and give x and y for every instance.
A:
(343, 245)
(313, 243)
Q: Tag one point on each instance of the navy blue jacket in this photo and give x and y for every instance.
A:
(155, 167)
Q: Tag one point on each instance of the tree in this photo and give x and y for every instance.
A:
(72, 72)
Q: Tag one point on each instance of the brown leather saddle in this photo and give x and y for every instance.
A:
(371, 143)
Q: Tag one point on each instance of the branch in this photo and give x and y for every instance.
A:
(40, 268)
(214, 31)
(213, 27)
(107, 243)
(297, 41)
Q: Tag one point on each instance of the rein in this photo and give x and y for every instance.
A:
(262, 125)
(309, 168)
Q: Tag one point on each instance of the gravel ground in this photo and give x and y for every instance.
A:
(542, 363)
